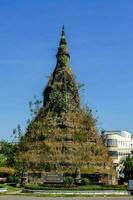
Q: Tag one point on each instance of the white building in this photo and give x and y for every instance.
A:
(119, 144)
(132, 143)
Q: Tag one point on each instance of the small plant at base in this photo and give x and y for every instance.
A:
(85, 181)
(68, 180)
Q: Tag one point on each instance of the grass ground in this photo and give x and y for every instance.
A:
(10, 189)
(17, 191)
(81, 188)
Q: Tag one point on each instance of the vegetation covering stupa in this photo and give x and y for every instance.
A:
(63, 136)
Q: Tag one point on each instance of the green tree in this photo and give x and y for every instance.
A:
(7, 151)
(127, 167)
(3, 160)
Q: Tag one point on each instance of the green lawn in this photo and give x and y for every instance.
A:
(86, 187)
(17, 190)
(10, 188)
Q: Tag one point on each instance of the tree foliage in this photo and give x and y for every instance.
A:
(3, 160)
(127, 167)
(7, 152)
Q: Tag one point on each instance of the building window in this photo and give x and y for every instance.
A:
(113, 153)
(112, 142)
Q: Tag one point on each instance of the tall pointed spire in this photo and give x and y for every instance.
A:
(62, 83)
(63, 36)
(63, 50)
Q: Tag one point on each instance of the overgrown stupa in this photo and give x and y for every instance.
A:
(63, 136)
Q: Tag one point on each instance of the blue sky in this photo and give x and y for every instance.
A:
(100, 40)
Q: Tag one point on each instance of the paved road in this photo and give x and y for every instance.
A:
(62, 198)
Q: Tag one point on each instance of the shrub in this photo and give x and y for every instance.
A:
(68, 180)
(85, 181)
(6, 170)
(14, 179)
